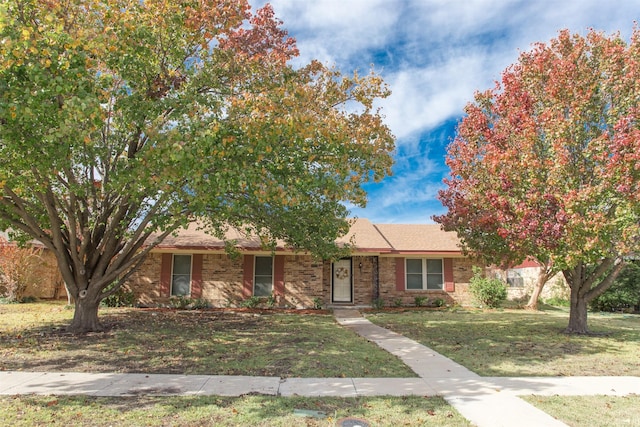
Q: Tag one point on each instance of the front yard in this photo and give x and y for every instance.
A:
(491, 343)
(522, 343)
(32, 338)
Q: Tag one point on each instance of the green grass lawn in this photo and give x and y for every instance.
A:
(523, 343)
(224, 411)
(591, 411)
(32, 338)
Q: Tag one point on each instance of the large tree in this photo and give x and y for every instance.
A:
(123, 120)
(547, 164)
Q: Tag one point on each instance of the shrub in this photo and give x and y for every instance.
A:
(420, 301)
(317, 303)
(271, 301)
(179, 302)
(378, 303)
(439, 302)
(557, 302)
(623, 294)
(251, 302)
(487, 292)
(199, 304)
(123, 297)
(397, 302)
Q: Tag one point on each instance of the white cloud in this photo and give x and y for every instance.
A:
(424, 97)
(434, 54)
(333, 31)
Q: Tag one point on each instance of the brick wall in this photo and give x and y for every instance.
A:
(462, 273)
(145, 282)
(222, 278)
(305, 279)
(47, 281)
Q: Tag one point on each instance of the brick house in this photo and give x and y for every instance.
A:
(394, 262)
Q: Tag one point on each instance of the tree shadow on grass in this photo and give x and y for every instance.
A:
(201, 342)
(246, 410)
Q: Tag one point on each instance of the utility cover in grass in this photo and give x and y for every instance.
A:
(352, 422)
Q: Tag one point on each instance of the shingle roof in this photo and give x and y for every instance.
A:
(365, 236)
(195, 237)
(419, 238)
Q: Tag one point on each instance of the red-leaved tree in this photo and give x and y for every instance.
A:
(547, 164)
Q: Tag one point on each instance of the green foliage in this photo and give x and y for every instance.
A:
(378, 303)
(557, 302)
(271, 301)
(397, 302)
(23, 300)
(179, 302)
(486, 291)
(439, 302)
(200, 304)
(186, 303)
(623, 294)
(123, 297)
(251, 302)
(119, 125)
(421, 300)
(317, 303)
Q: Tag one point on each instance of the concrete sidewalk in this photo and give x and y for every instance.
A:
(484, 401)
(489, 402)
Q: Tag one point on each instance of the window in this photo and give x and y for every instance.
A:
(181, 275)
(263, 276)
(515, 279)
(424, 273)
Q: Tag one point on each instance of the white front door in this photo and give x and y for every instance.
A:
(341, 281)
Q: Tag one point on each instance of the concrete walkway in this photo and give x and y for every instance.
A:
(482, 400)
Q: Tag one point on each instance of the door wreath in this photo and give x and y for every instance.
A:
(341, 273)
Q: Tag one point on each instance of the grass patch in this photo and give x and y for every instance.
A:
(32, 338)
(524, 343)
(251, 410)
(591, 411)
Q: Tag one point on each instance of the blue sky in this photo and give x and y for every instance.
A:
(434, 54)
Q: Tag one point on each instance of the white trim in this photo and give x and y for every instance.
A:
(173, 262)
(255, 259)
(351, 290)
(424, 273)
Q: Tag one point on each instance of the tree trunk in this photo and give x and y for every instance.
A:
(85, 317)
(537, 290)
(577, 307)
(577, 315)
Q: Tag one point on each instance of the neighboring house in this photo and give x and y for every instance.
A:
(393, 262)
(44, 279)
(520, 280)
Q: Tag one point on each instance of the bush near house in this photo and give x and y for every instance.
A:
(624, 294)
(487, 292)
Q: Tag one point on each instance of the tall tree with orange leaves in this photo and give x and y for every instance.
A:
(122, 121)
(547, 164)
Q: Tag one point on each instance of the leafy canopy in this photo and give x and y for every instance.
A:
(120, 120)
(546, 164)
